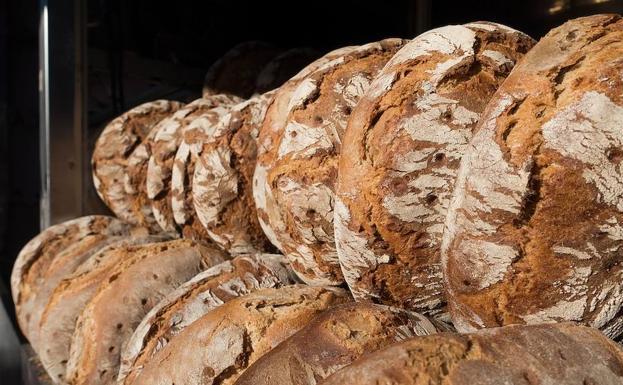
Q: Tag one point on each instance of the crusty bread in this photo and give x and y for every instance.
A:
(59, 315)
(332, 340)
(218, 347)
(113, 147)
(305, 151)
(222, 182)
(33, 261)
(274, 122)
(561, 354)
(167, 138)
(123, 298)
(282, 67)
(400, 154)
(236, 71)
(195, 298)
(534, 227)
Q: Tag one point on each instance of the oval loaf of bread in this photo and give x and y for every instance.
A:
(561, 354)
(123, 298)
(332, 340)
(400, 155)
(113, 148)
(69, 298)
(305, 150)
(222, 192)
(196, 297)
(218, 347)
(535, 225)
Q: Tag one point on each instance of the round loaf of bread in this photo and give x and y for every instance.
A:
(115, 145)
(399, 159)
(218, 347)
(334, 339)
(195, 298)
(167, 136)
(282, 67)
(236, 72)
(201, 130)
(123, 298)
(536, 220)
(562, 354)
(222, 192)
(36, 257)
(303, 170)
(66, 302)
(273, 124)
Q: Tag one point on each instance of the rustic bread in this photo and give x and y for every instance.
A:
(400, 154)
(202, 129)
(303, 172)
(218, 347)
(534, 227)
(333, 340)
(195, 298)
(236, 71)
(222, 182)
(59, 315)
(123, 298)
(562, 354)
(33, 261)
(282, 67)
(273, 124)
(113, 147)
(166, 140)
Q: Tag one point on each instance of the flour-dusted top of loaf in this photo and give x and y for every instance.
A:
(195, 298)
(222, 193)
(69, 298)
(400, 154)
(303, 170)
(236, 72)
(123, 297)
(283, 67)
(533, 231)
(218, 347)
(39, 254)
(115, 145)
(334, 339)
(274, 121)
(168, 135)
(562, 354)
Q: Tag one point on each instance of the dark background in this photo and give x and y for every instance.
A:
(138, 50)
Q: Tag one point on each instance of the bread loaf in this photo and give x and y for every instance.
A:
(236, 72)
(113, 147)
(400, 154)
(167, 138)
(273, 123)
(36, 257)
(218, 347)
(332, 340)
(222, 182)
(303, 170)
(562, 354)
(59, 315)
(282, 67)
(123, 298)
(195, 298)
(534, 227)
(202, 129)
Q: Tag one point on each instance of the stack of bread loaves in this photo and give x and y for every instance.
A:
(466, 181)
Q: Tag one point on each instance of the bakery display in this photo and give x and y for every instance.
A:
(563, 354)
(534, 226)
(218, 347)
(195, 298)
(332, 340)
